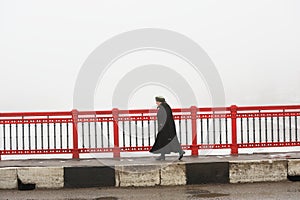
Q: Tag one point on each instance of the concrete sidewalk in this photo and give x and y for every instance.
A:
(143, 160)
(146, 171)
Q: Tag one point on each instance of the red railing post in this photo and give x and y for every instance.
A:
(194, 146)
(234, 146)
(116, 150)
(75, 134)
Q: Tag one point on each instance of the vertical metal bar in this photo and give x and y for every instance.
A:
(54, 132)
(149, 142)
(123, 127)
(67, 127)
(10, 137)
(220, 130)
(129, 129)
(284, 131)
(278, 130)
(214, 128)
(266, 129)
(290, 127)
(155, 129)
(48, 133)
(35, 139)
(108, 134)
(226, 130)
(4, 138)
(61, 137)
(101, 134)
(29, 136)
(143, 133)
(82, 133)
(296, 128)
(136, 134)
(242, 131)
(89, 130)
(259, 128)
(143, 143)
(207, 129)
(186, 132)
(17, 137)
(42, 135)
(254, 135)
(248, 130)
(23, 134)
(201, 130)
(96, 137)
(272, 129)
(180, 131)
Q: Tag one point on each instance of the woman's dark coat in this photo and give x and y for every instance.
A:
(166, 140)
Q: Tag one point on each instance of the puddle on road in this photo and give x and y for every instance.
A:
(199, 194)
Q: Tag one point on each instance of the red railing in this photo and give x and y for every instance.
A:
(117, 131)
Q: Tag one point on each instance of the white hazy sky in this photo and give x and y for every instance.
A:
(254, 45)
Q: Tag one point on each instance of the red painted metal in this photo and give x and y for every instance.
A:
(36, 121)
(96, 150)
(285, 107)
(269, 144)
(115, 116)
(37, 151)
(194, 146)
(75, 134)
(116, 150)
(30, 114)
(234, 146)
(268, 114)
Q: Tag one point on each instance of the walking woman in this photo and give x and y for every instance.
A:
(166, 140)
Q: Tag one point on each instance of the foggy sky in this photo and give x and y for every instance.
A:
(254, 45)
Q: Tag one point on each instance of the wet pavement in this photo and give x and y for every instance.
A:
(279, 190)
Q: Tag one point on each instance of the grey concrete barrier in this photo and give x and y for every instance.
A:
(89, 176)
(42, 177)
(294, 167)
(248, 171)
(153, 174)
(174, 174)
(8, 178)
(212, 172)
(137, 175)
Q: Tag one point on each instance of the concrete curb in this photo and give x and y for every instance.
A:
(84, 177)
(294, 167)
(250, 171)
(40, 177)
(213, 172)
(8, 178)
(142, 175)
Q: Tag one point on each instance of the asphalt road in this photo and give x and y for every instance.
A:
(280, 190)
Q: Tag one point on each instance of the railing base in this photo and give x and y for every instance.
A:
(195, 151)
(75, 154)
(116, 152)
